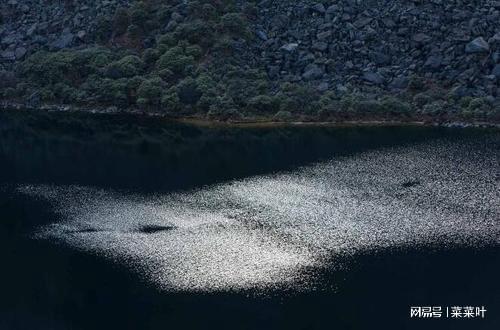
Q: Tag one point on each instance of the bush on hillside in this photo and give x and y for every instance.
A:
(128, 66)
(121, 21)
(150, 92)
(170, 100)
(188, 92)
(197, 32)
(393, 105)
(150, 56)
(234, 24)
(176, 61)
(263, 104)
(69, 66)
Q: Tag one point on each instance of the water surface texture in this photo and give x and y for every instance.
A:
(316, 228)
(265, 230)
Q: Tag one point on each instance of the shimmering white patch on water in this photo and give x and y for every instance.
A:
(265, 231)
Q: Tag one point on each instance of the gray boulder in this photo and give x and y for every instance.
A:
(20, 53)
(320, 46)
(319, 8)
(478, 45)
(8, 55)
(64, 41)
(312, 72)
(399, 83)
(373, 77)
(433, 62)
(332, 9)
(322, 87)
(496, 71)
(290, 47)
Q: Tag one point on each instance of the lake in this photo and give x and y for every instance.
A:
(121, 222)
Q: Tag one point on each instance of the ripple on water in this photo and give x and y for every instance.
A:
(265, 231)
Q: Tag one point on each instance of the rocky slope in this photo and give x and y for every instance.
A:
(373, 47)
(31, 25)
(382, 42)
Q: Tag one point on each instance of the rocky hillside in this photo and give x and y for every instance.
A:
(31, 25)
(287, 59)
(382, 42)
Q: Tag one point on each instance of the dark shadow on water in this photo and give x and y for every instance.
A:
(411, 183)
(155, 229)
(150, 155)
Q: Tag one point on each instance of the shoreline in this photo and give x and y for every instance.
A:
(260, 122)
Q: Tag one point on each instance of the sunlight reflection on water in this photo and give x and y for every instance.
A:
(265, 231)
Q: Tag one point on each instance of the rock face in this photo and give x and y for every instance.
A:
(383, 42)
(30, 25)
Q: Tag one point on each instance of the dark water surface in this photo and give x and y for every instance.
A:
(121, 223)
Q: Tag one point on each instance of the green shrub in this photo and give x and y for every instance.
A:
(416, 83)
(46, 94)
(121, 21)
(163, 12)
(188, 91)
(465, 101)
(367, 107)
(263, 104)
(346, 102)
(167, 75)
(134, 32)
(208, 12)
(168, 40)
(46, 68)
(479, 104)
(223, 108)
(224, 45)
(298, 98)
(289, 104)
(23, 88)
(193, 50)
(9, 92)
(134, 82)
(111, 91)
(393, 105)
(104, 29)
(478, 107)
(65, 93)
(99, 61)
(328, 103)
(150, 91)
(422, 99)
(283, 116)
(150, 56)
(208, 89)
(494, 114)
(128, 66)
(170, 100)
(434, 108)
(175, 60)
(138, 14)
(234, 24)
(250, 10)
(243, 84)
(196, 32)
